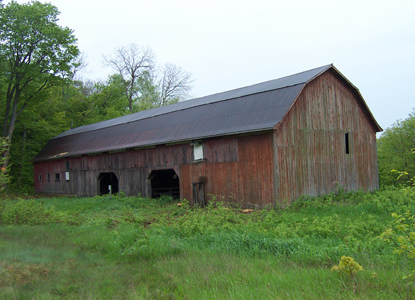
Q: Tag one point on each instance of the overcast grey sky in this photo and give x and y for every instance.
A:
(227, 44)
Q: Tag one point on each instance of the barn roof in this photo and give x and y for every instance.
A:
(253, 108)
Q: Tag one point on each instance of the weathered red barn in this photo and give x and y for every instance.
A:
(265, 144)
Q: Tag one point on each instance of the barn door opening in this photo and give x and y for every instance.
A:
(164, 182)
(108, 183)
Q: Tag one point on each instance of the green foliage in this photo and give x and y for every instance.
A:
(35, 55)
(155, 248)
(38, 53)
(32, 212)
(347, 265)
(26, 212)
(401, 235)
(403, 175)
(395, 151)
(148, 91)
(108, 101)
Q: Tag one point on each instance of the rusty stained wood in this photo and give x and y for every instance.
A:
(248, 181)
(310, 143)
(238, 169)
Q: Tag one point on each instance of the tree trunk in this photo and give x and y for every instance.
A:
(8, 128)
(6, 157)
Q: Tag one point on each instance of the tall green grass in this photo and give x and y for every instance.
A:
(118, 247)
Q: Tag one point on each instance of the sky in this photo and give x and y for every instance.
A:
(227, 44)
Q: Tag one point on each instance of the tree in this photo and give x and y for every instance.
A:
(131, 63)
(395, 150)
(149, 92)
(109, 100)
(4, 178)
(143, 89)
(175, 84)
(35, 53)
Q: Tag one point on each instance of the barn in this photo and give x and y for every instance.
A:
(266, 144)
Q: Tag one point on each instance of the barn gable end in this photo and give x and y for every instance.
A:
(326, 141)
(261, 145)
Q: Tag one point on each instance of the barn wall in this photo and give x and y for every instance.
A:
(131, 167)
(310, 143)
(244, 175)
(234, 168)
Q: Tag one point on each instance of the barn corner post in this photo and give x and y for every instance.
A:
(276, 202)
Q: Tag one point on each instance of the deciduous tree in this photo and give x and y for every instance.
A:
(395, 150)
(175, 84)
(36, 53)
(131, 63)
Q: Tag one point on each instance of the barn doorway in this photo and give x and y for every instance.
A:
(108, 183)
(164, 182)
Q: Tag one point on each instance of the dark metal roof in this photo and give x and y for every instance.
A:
(254, 108)
(287, 81)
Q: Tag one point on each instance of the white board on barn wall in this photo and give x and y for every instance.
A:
(198, 151)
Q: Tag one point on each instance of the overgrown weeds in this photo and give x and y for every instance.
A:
(153, 235)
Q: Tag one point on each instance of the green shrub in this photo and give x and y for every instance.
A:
(27, 212)
(401, 236)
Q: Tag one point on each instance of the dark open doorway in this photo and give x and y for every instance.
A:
(164, 182)
(107, 181)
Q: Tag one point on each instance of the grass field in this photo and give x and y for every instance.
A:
(135, 248)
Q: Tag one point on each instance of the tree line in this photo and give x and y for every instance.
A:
(42, 94)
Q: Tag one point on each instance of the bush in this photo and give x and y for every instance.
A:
(26, 212)
(402, 236)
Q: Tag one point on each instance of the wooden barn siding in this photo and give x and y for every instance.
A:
(53, 186)
(236, 168)
(246, 177)
(132, 168)
(310, 143)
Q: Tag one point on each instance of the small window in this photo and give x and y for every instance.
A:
(67, 166)
(40, 177)
(67, 176)
(57, 176)
(198, 151)
(346, 137)
(48, 177)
